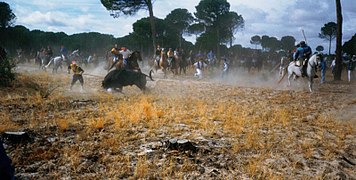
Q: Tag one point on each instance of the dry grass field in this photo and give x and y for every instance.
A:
(182, 128)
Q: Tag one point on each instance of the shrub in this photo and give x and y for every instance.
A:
(6, 66)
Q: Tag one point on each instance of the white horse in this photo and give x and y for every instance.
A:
(57, 62)
(296, 71)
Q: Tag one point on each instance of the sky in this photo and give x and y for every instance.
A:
(275, 18)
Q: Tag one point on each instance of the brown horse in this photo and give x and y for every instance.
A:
(162, 63)
(132, 63)
(176, 64)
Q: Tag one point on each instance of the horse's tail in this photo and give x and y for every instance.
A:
(284, 74)
(150, 75)
(49, 63)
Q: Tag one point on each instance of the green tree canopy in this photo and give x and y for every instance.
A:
(124, 7)
(230, 23)
(206, 41)
(7, 17)
(196, 29)
(255, 40)
(328, 32)
(350, 46)
(179, 19)
(319, 48)
(287, 43)
(218, 21)
(270, 43)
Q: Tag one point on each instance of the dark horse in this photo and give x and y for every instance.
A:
(132, 63)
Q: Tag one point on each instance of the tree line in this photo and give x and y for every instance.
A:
(213, 25)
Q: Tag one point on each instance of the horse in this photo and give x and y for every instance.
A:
(255, 63)
(93, 60)
(132, 63)
(175, 66)
(38, 59)
(294, 70)
(183, 65)
(162, 63)
(283, 65)
(57, 62)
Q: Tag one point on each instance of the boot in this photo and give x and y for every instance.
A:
(303, 73)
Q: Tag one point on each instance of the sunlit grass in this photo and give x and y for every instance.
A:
(113, 128)
(6, 123)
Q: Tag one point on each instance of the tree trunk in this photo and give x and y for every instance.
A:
(153, 25)
(231, 38)
(338, 66)
(329, 45)
(218, 43)
(180, 40)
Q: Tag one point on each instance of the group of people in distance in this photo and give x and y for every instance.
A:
(300, 57)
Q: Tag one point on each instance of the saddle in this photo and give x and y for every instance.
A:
(298, 63)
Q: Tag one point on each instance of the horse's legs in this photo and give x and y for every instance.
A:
(289, 76)
(281, 71)
(310, 82)
(40, 66)
(164, 72)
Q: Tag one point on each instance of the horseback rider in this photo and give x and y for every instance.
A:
(63, 51)
(289, 56)
(177, 52)
(302, 54)
(170, 55)
(77, 74)
(211, 57)
(158, 53)
(125, 55)
(49, 52)
(115, 52)
(64, 54)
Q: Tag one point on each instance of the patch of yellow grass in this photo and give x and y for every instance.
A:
(282, 116)
(97, 123)
(147, 108)
(6, 123)
(142, 167)
(63, 124)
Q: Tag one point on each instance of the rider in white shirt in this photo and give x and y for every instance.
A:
(200, 65)
(125, 55)
(333, 64)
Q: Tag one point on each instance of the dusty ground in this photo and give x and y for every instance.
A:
(246, 126)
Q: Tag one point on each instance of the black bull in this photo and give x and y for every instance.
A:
(120, 78)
